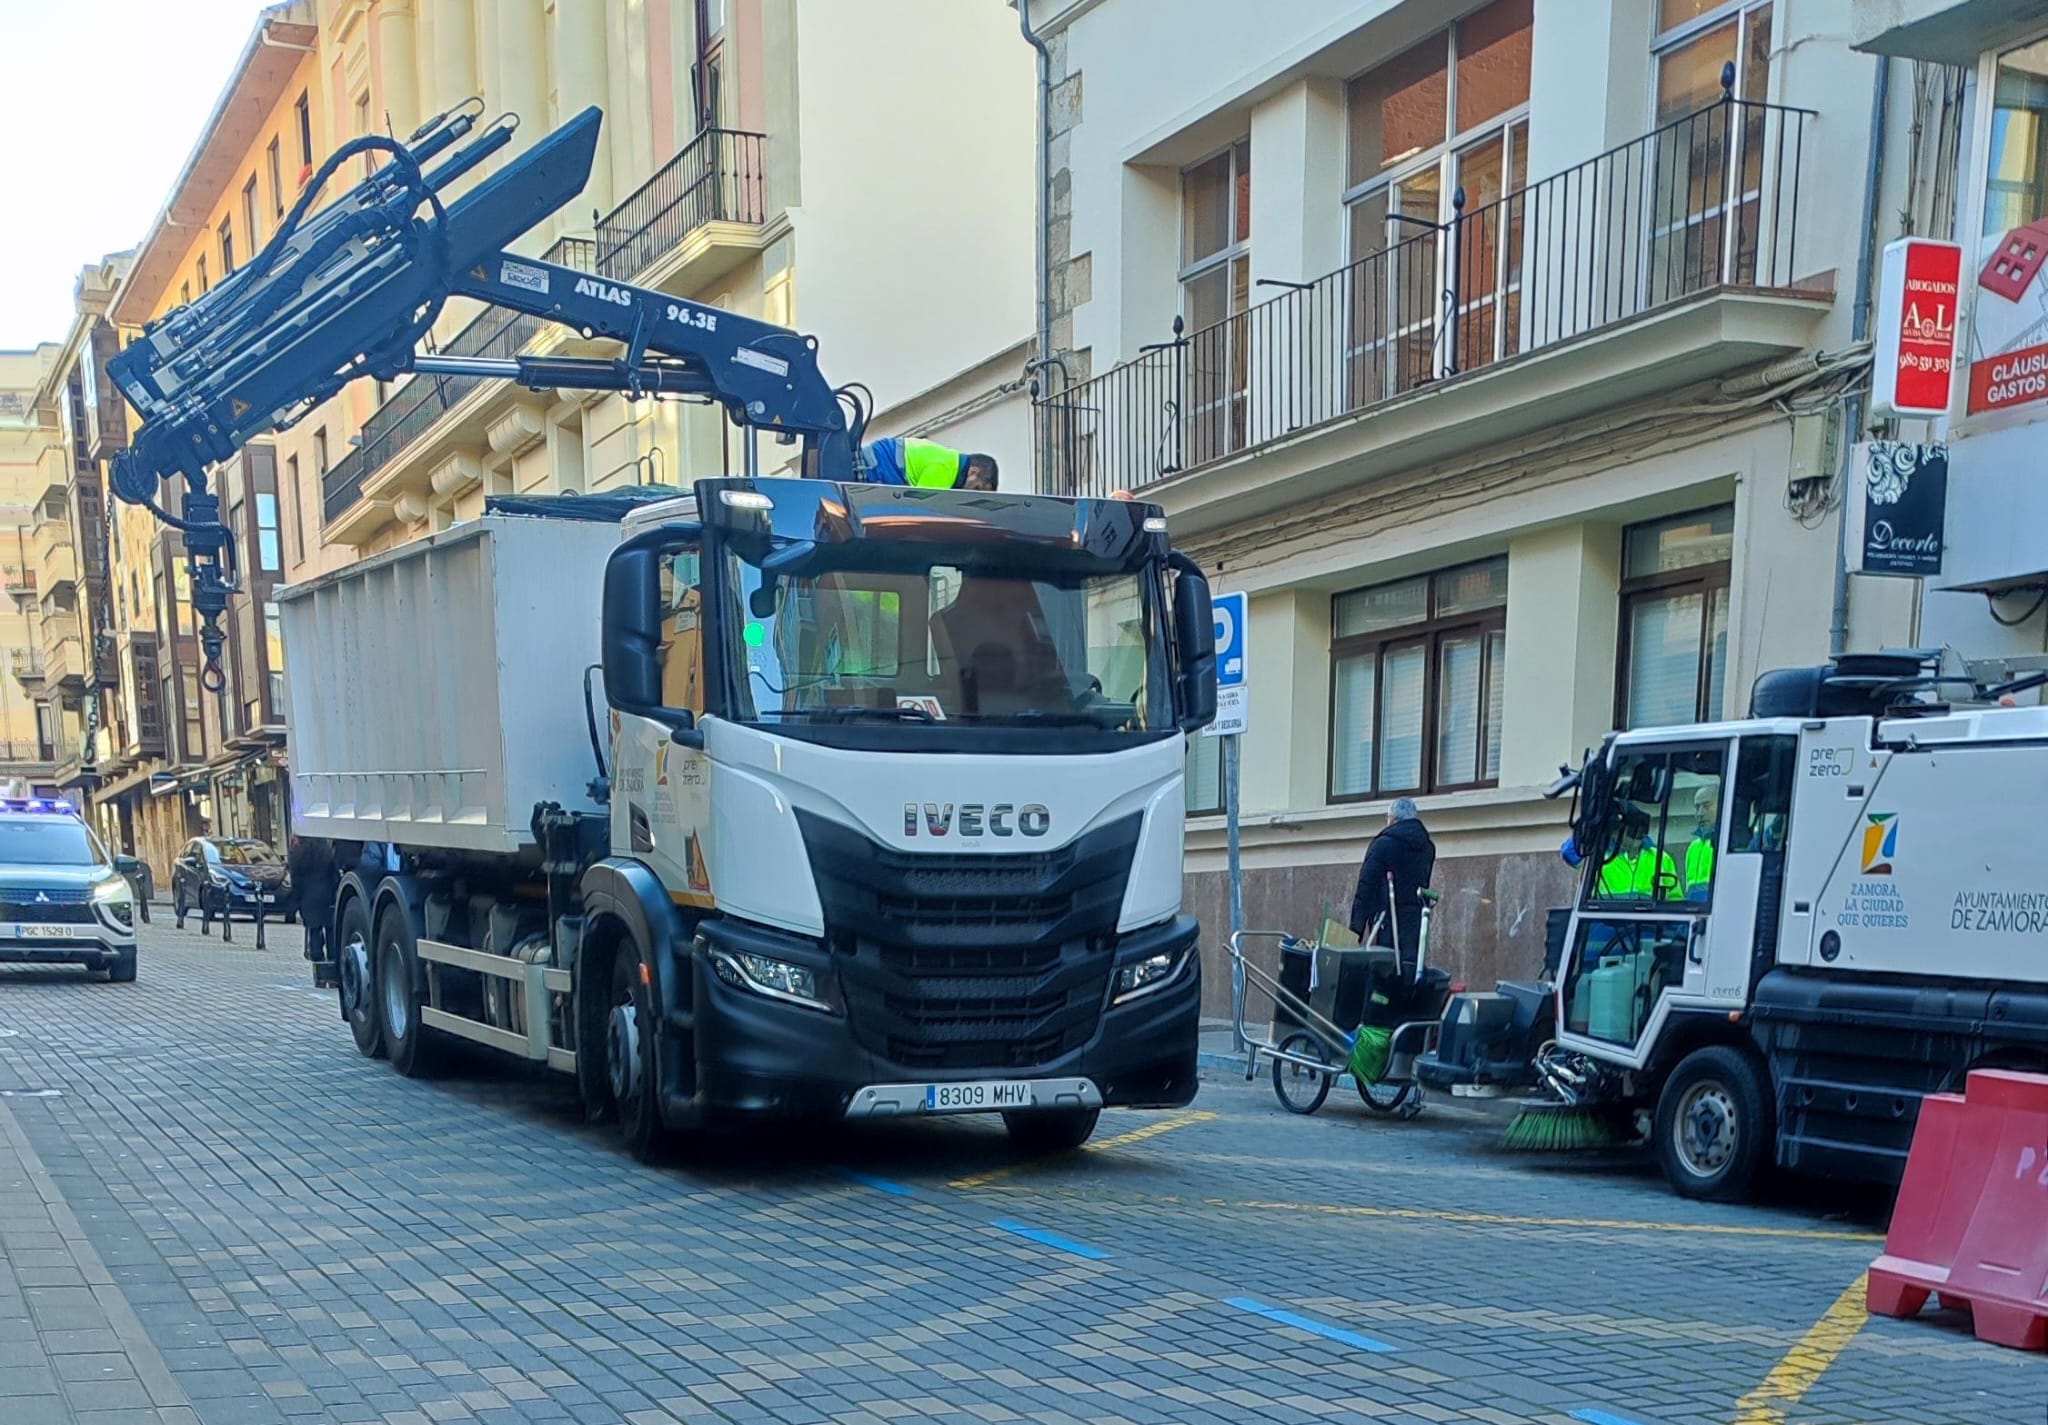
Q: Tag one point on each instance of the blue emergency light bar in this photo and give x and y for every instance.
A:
(38, 804)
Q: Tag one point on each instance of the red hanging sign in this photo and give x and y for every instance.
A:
(1915, 360)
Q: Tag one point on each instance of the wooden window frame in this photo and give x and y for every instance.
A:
(1430, 632)
(1704, 579)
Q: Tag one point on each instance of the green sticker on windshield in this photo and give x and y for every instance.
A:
(756, 635)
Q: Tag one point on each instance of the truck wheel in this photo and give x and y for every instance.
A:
(1714, 1122)
(407, 1041)
(356, 977)
(1056, 1130)
(629, 1058)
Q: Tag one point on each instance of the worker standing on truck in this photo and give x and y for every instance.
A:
(903, 460)
(1636, 870)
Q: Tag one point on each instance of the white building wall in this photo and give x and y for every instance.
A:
(915, 234)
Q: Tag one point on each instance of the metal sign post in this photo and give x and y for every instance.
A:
(1232, 697)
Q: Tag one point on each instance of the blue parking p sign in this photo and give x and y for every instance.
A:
(1230, 621)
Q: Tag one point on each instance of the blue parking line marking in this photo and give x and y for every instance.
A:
(1601, 1417)
(878, 1184)
(1308, 1324)
(1054, 1240)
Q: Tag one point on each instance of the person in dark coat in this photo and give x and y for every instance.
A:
(1404, 853)
(316, 879)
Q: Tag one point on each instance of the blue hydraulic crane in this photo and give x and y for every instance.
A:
(350, 291)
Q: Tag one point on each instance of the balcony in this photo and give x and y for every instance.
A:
(418, 406)
(1665, 262)
(51, 552)
(694, 221)
(21, 585)
(64, 660)
(26, 665)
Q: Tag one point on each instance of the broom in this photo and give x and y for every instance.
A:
(1561, 1121)
(1547, 1125)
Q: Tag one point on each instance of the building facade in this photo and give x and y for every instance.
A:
(1985, 66)
(31, 733)
(75, 681)
(1506, 353)
(743, 144)
(198, 752)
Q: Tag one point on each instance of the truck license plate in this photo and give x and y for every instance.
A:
(977, 1097)
(42, 932)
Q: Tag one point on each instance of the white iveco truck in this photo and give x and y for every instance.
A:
(878, 811)
(1793, 927)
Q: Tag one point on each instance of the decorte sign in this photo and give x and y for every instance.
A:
(1915, 360)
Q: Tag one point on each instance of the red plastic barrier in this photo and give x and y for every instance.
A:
(1971, 1224)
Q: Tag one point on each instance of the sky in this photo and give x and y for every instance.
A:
(100, 101)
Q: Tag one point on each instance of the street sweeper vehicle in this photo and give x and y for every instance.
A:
(889, 819)
(1789, 929)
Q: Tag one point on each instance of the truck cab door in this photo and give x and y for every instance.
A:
(1643, 933)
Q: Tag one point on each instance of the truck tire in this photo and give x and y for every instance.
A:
(629, 1058)
(356, 978)
(1055, 1130)
(408, 1043)
(1715, 1123)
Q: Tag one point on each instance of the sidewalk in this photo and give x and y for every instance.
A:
(71, 1350)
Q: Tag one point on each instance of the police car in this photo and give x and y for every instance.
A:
(62, 899)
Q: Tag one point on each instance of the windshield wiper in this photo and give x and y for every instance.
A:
(1041, 718)
(850, 710)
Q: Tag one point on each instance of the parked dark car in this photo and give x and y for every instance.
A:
(219, 876)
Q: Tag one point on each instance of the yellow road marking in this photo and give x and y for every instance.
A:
(1805, 1363)
(1136, 1135)
(1476, 1219)
(1610, 1224)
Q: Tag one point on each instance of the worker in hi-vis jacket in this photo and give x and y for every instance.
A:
(900, 460)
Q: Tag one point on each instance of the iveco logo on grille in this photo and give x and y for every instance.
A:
(976, 819)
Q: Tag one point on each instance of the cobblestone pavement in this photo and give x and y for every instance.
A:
(214, 1212)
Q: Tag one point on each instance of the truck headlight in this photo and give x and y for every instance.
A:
(777, 979)
(1141, 977)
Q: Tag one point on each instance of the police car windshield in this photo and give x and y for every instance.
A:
(48, 841)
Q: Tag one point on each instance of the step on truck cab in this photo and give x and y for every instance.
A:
(1791, 928)
(780, 799)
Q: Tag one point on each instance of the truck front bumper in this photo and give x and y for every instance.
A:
(760, 1057)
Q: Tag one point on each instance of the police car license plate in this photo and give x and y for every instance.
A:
(42, 932)
(984, 1097)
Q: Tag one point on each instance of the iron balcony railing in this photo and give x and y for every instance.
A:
(1707, 202)
(414, 407)
(718, 177)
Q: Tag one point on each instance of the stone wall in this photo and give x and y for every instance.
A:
(1488, 926)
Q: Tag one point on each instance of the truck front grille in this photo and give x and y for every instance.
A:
(971, 961)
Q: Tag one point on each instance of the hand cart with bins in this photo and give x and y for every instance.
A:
(1322, 997)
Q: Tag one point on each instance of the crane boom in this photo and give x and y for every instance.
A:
(351, 290)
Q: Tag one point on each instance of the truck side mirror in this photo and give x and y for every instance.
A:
(632, 622)
(1194, 632)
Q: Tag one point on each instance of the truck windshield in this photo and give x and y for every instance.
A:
(947, 640)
